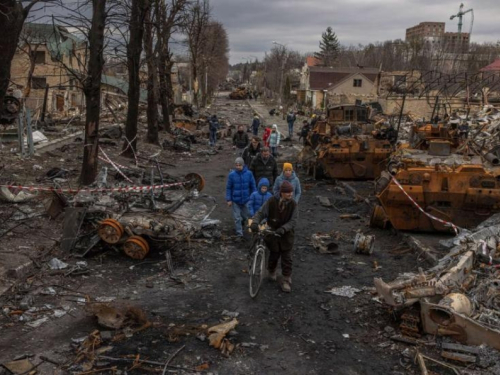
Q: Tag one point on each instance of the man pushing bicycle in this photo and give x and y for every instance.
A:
(281, 214)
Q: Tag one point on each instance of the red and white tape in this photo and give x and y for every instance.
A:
(113, 164)
(124, 189)
(432, 217)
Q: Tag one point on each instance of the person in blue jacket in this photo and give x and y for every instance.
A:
(289, 175)
(258, 198)
(240, 186)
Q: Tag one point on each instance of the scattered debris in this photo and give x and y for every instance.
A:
(56, 264)
(364, 244)
(325, 202)
(344, 291)
(324, 243)
(217, 336)
(15, 195)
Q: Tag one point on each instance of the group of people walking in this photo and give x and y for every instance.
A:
(255, 189)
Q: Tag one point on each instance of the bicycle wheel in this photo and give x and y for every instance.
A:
(256, 271)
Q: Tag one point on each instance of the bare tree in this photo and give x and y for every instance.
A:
(92, 91)
(170, 17)
(197, 19)
(151, 59)
(213, 59)
(90, 18)
(12, 17)
(139, 10)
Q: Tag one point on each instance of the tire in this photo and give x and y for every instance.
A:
(256, 271)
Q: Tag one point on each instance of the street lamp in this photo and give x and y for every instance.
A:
(282, 69)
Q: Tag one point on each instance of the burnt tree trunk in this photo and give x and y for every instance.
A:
(92, 91)
(152, 110)
(12, 16)
(163, 54)
(165, 105)
(134, 50)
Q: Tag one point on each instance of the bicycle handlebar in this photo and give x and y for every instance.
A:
(268, 231)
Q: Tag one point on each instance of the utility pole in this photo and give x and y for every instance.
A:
(283, 60)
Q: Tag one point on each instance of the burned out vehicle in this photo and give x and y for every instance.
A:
(458, 297)
(347, 145)
(138, 222)
(438, 182)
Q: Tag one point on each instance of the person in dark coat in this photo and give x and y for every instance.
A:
(251, 151)
(304, 132)
(240, 185)
(213, 127)
(264, 165)
(255, 124)
(290, 119)
(240, 140)
(282, 215)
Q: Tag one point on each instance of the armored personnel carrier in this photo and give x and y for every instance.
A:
(347, 145)
(441, 180)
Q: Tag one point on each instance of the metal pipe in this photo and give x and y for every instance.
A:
(400, 116)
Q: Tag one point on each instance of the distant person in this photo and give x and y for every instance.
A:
(251, 151)
(255, 124)
(304, 132)
(213, 126)
(240, 140)
(259, 197)
(290, 119)
(281, 214)
(314, 120)
(274, 140)
(264, 166)
(265, 136)
(240, 186)
(289, 175)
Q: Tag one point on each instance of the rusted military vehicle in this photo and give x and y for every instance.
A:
(440, 182)
(347, 145)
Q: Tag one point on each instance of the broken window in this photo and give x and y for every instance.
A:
(38, 82)
(361, 115)
(357, 83)
(38, 57)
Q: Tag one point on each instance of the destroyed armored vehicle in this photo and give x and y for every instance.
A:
(438, 182)
(137, 222)
(241, 93)
(347, 145)
(458, 298)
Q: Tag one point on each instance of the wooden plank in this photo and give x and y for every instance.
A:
(459, 357)
(460, 348)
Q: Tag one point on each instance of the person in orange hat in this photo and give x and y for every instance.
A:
(289, 175)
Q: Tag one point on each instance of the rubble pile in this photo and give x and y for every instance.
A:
(457, 299)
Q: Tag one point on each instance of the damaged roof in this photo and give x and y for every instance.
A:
(122, 85)
(58, 39)
(322, 78)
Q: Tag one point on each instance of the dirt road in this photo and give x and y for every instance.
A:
(306, 332)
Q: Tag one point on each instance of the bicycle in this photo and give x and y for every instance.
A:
(257, 264)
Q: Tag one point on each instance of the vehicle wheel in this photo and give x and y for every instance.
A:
(110, 231)
(136, 247)
(256, 271)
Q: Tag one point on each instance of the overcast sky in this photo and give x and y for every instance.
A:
(252, 25)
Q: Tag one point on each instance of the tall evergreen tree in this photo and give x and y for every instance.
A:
(329, 47)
